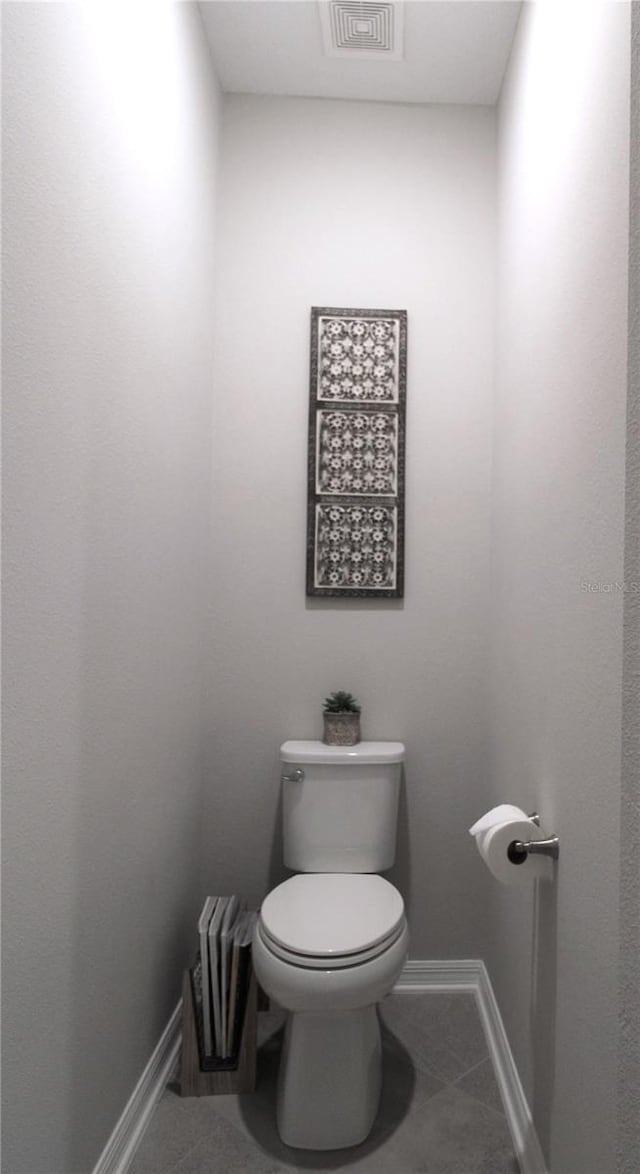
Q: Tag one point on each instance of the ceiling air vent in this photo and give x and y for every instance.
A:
(355, 28)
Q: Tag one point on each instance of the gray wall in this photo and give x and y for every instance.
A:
(353, 204)
(629, 1066)
(109, 161)
(558, 558)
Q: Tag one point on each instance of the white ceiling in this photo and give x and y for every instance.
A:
(454, 51)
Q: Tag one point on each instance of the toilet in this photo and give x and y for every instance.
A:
(331, 941)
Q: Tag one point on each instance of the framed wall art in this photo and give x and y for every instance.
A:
(357, 411)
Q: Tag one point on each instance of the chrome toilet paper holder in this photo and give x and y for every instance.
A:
(519, 850)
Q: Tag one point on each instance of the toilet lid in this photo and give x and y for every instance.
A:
(327, 914)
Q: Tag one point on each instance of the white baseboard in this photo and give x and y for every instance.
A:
(117, 1155)
(465, 974)
(470, 974)
(460, 973)
(518, 1113)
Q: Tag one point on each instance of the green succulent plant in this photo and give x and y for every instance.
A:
(341, 702)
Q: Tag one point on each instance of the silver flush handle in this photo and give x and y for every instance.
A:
(294, 776)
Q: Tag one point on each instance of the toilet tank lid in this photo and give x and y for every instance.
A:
(360, 754)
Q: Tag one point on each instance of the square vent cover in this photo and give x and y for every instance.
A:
(356, 28)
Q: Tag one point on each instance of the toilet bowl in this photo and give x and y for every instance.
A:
(330, 944)
(329, 969)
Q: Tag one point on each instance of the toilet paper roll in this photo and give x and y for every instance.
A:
(493, 845)
(499, 814)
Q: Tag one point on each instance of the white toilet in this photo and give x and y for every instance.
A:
(331, 943)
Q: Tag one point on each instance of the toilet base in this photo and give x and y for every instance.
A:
(330, 1078)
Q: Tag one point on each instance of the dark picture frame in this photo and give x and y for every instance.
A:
(356, 453)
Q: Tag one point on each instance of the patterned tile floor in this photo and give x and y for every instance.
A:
(440, 1113)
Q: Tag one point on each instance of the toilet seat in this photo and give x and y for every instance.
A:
(331, 920)
(328, 962)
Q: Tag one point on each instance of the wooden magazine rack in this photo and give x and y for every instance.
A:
(194, 1082)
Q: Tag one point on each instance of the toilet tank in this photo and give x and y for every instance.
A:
(340, 805)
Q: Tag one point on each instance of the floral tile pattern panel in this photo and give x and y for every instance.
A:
(357, 453)
(359, 358)
(355, 523)
(356, 546)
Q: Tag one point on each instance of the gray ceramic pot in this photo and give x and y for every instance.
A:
(341, 729)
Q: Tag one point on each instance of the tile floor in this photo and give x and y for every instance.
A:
(440, 1113)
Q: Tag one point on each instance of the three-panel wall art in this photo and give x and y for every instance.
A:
(357, 409)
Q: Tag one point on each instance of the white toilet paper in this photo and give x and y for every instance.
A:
(499, 814)
(495, 831)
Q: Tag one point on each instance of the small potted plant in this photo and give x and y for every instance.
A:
(341, 720)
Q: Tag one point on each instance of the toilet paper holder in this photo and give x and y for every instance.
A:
(519, 850)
